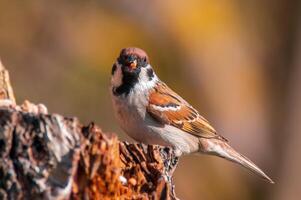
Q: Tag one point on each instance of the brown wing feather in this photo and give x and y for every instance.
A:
(169, 108)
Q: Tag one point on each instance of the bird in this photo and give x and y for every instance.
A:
(152, 113)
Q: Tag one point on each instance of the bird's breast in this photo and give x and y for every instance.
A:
(130, 112)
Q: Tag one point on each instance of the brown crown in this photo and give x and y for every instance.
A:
(134, 51)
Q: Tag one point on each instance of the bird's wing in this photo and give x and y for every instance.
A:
(167, 107)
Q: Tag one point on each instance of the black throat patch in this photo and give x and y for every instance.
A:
(128, 82)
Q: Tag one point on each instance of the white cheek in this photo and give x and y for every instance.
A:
(116, 79)
(144, 82)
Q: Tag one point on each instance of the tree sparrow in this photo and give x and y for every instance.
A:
(151, 113)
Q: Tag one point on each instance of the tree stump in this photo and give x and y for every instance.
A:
(48, 156)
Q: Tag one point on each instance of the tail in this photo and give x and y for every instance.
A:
(224, 150)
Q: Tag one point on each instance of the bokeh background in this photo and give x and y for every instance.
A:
(238, 63)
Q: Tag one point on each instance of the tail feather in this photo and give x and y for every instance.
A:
(224, 150)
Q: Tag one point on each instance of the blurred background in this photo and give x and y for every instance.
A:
(238, 63)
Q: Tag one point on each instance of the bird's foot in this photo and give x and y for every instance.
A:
(171, 159)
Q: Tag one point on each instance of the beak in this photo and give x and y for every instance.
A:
(133, 65)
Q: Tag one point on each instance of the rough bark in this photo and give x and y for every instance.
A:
(48, 156)
(6, 91)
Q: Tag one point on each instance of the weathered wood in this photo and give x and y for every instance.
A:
(52, 157)
(38, 155)
(6, 91)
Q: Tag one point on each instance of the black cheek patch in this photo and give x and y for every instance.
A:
(114, 69)
(150, 73)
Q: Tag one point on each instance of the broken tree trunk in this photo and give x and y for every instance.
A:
(48, 156)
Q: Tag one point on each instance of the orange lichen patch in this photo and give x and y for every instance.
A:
(99, 169)
(109, 169)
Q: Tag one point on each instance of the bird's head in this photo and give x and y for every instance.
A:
(132, 59)
(131, 66)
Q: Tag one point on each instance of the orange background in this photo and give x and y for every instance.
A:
(237, 62)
